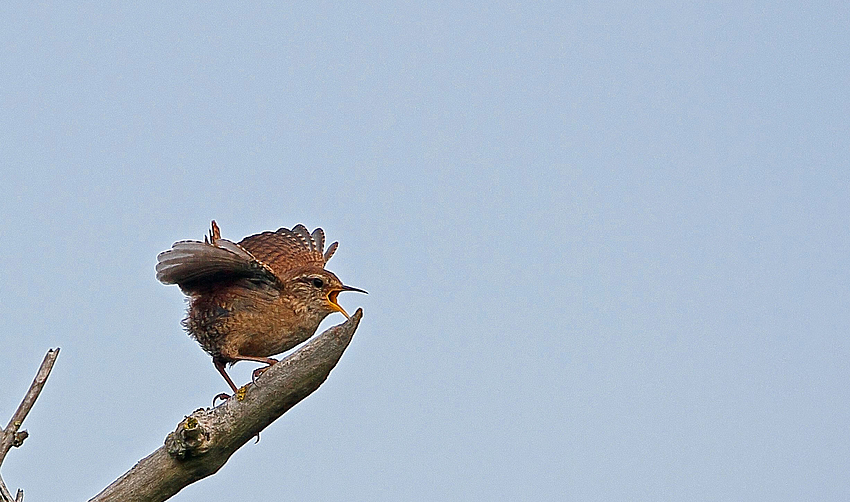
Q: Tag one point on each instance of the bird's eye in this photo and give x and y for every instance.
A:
(318, 282)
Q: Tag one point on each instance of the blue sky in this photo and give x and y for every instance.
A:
(606, 244)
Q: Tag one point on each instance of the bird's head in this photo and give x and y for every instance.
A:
(318, 290)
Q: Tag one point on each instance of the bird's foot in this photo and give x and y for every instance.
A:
(259, 371)
(223, 396)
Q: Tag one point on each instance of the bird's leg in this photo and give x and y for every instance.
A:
(219, 365)
(259, 371)
(268, 360)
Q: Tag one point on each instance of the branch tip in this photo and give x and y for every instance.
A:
(203, 441)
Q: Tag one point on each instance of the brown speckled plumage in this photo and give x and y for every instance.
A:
(254, 299)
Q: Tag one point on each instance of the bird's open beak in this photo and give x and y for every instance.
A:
(333, 301)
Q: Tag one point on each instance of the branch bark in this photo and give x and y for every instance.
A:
(205, 440)
(12, 435)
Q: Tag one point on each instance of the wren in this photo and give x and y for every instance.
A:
(252, 300)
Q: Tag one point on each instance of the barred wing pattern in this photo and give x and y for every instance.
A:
(285, 250)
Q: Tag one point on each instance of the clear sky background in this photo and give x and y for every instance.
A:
(606, 245)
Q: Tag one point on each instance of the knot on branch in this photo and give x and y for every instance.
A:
(19, 437)
(191, 438)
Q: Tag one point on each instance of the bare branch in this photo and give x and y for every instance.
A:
(5, 496)
(206, 439)
(12, 435)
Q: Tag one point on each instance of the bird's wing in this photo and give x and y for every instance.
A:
(194, 264)
(285, 250)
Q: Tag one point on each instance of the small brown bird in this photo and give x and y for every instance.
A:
(252, 300)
